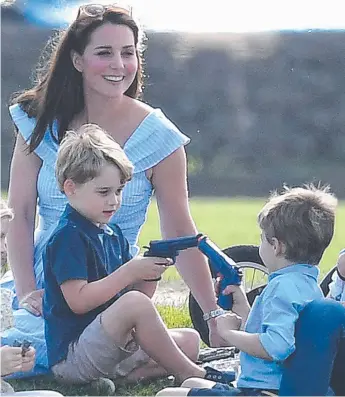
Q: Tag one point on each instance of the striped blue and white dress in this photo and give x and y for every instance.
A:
(153, 140)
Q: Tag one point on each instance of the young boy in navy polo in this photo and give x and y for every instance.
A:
(99, 319)
(296, 228)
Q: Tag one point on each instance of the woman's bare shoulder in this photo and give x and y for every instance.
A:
(139, 108)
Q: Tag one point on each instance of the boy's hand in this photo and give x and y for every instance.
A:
(240, 303)
(227, 322)
(11, 359)
(148, 268)
(29, 359)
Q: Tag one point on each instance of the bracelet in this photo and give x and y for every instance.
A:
(213, 314)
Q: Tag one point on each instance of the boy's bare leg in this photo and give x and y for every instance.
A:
(173, 391)
(134, 310)
(197, 382)
(186, 386)
(188, 340)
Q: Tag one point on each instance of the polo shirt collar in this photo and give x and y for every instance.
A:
(85, 223)
(303, 268)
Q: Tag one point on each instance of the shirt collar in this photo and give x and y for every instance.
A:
(85, 223)
(303, 268)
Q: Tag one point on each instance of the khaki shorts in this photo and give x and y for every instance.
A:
(94, 355)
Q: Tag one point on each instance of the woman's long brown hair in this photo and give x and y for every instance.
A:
(58, 94)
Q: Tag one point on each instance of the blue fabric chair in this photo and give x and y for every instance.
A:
(319, 359)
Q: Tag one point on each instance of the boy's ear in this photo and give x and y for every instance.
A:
(77, 61)
(69, 187)
(278, 246)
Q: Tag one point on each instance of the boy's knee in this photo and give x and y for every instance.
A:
(193, 337)
(135, 297)
(135, 301)
(189, 342)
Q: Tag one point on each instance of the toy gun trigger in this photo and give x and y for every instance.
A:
(173, 261)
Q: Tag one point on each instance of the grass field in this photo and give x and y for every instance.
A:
(227, 222)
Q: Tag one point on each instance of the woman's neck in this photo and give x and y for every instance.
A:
(99, 108)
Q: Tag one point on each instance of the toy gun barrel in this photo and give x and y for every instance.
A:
(170, 248)
(223, 265)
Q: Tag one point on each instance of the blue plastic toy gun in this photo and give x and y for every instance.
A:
(222, 264)
(170, 248)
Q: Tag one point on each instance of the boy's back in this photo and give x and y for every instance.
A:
(77, 249)
(296, 227)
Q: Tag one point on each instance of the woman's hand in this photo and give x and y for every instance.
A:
(11, 359)
(32, 302)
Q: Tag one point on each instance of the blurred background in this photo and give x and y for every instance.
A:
(258, 86)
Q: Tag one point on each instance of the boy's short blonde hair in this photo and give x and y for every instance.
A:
(84, 152)
(5, 211)
(303, 219)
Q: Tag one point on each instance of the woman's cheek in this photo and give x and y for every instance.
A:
(98, 65)
(132, 67)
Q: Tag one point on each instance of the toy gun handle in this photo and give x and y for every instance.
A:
(224, 301)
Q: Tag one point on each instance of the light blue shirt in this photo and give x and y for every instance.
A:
(273, 316)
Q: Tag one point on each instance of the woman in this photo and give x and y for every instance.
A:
(94, 75)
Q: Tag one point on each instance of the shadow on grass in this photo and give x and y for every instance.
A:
(45, 383)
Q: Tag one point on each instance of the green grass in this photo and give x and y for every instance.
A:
(227, 222)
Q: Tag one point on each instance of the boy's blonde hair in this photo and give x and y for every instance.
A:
(303, 219)
(84, 152)
(5, 211)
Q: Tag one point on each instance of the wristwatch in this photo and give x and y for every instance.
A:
(213, 314)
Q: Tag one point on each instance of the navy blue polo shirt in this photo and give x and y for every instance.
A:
(77, 250)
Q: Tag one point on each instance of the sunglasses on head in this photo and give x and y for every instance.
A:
(98, 10)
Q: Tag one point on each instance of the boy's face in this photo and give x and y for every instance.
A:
(273, 253)
(98, 199)
(5, 221)
(267, 252)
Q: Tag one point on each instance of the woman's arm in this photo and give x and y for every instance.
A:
(170, 182)
(22, 199)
